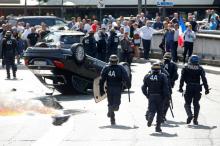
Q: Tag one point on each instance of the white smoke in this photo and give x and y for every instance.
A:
(12, 105)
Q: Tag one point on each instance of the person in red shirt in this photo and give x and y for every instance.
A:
(94, 25)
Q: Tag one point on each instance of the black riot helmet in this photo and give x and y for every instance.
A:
(8, 34)
(156, 68)
(113, 59)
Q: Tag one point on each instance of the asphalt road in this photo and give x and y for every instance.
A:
(29, 122)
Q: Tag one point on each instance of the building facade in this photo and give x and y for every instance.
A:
(114, 7)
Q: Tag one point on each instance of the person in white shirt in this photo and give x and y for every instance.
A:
(174, 49)
(142, 18)
(26, 32)
(87, 26)
(146, 33)
(126, 27)
(189, 38)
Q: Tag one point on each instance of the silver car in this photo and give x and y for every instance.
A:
(63, 39)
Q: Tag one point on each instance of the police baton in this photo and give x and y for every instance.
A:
(129, 96)
(171, 111)
(171, 102)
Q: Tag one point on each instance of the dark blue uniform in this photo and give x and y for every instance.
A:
(9, 50)
(115, 76)
(112, 46)
(102, 45)
(89, 44)
(156, 89)
(171, 69)
(191, 75)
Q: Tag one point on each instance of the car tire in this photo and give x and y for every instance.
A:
(78, 52)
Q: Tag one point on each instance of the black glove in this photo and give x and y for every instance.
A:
(180, 90)
(206, 91)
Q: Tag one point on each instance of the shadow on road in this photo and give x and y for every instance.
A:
(202, 127)
(164, 134)
(73, 111)
(173, 124)
(73, 97)
(122, 127)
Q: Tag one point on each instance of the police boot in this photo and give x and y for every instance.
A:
(110, 111)
(196, 114)
(150, 119)
(147, 114)
(14, 75)
(14, 71)
(8, 74)
(8, 77)
(112, 119)
(158, 128)
(189, 113)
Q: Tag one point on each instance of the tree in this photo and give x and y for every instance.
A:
(39, 3)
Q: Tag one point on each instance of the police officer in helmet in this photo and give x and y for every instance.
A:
(115, 75)
(112, 43)
(9, 46)
(156, 89)
(89, 44)
(171, 68)
(191, 75)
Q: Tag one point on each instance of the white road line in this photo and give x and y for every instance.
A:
(55, 135)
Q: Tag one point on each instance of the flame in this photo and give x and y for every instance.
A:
(8, 112)
(13, 107)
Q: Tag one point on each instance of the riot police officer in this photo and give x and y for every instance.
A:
(116, 76)
(89, 44)
(9, 46)
(155, 88)
(171, 68)
(102, 44)
(112, 43)
(191, 75)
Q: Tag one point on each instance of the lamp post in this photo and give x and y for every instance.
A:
(62, 9)
(139, 6)
(145, 6)
(25, 8)
(164, 10)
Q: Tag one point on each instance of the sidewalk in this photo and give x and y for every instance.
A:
(208, 68)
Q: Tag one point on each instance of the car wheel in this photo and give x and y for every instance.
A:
(78, 52)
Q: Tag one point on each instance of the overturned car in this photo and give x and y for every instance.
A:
(69, 71)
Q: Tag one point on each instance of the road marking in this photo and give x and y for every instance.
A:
(55, 135)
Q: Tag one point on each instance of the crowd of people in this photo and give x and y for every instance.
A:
(102, 41)
(127, 37)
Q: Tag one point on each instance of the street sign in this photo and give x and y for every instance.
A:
(165, 4)
(100, 4)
